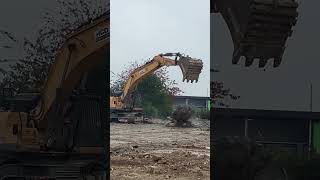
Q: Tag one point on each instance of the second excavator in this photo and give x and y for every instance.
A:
(124, 103)
(60, 132)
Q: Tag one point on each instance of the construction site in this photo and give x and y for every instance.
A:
(59, 131)
(155, 132)
(152, 148)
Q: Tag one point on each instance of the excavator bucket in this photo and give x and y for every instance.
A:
(191, 68)
(259, 28)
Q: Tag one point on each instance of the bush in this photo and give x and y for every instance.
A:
(203, 114)
(181, 116)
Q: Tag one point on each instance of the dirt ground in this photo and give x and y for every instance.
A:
(154, 151)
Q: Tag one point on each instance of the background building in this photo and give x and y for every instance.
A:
(194, 101)
(292, 131)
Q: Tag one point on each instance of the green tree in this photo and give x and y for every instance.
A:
(154, 93)
(155, 96)
(30, 71)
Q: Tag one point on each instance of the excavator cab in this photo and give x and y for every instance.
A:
(259, 28)
(191, 68)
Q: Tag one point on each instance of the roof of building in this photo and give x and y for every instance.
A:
(192, 97)
(256, 113)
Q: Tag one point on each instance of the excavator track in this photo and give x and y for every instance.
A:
(259, 28)
(48, 166)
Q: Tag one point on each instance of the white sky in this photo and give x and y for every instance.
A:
(141, 29)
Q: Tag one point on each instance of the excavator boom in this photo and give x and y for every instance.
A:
(190, 67)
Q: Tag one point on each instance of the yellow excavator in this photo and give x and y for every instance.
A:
(60, 133)
(123, 105)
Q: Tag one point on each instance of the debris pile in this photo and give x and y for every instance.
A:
(181, 116)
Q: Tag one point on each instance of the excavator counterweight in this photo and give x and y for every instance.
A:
(259, 28)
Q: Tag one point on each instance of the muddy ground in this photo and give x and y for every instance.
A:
(155, 151)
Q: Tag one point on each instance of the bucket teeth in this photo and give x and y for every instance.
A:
(262, 62)
(276, 62)
(191, 68)
(249, 61)
(259, 28)
(236, 57)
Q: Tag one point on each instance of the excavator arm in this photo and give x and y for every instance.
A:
(86, 48)
(191, 69)
(259, 28)
(158, 62)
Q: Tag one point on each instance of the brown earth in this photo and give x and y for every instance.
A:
(155, 151)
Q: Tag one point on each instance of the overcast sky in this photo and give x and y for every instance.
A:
(283, 88)
(141, 29)
(21, 18)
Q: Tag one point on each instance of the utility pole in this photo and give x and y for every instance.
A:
(310, 125)
(310, 97)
